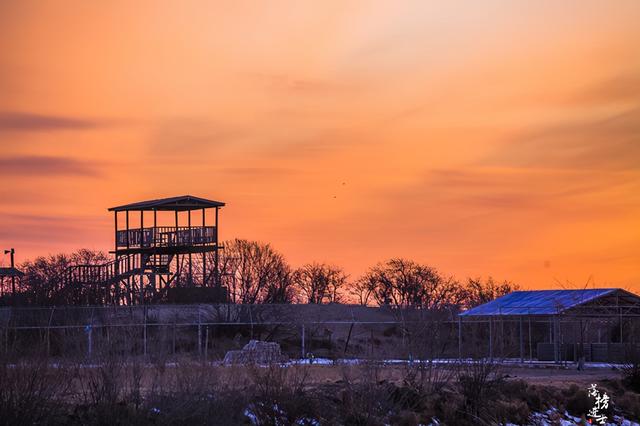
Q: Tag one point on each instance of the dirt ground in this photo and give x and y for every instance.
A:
(316, 375)
(550, 375)
(562, 377)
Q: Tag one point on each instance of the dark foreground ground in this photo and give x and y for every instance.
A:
(477, 393)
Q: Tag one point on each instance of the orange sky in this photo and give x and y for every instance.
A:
(484, 138)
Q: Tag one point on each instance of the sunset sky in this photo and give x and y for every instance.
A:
(483, 138)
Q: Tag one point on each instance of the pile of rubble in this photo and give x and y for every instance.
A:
(256, 352)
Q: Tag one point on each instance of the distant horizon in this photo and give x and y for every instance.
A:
(351, 277)
(490, 139)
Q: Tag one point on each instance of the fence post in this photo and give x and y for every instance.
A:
(459, 337)
(206, 342)
(89, 330)
(556, 350)
(621, 330)
(174, 338)
(521, 342)
(303, 350)
(491, 338)
(530, 341)
(199, 333)
(502, 337)
(49, 332)
(371, 342)
(144, 332)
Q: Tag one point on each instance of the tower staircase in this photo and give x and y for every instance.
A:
(101, 282)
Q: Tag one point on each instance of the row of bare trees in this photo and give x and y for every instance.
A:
(44, 279)
(405, 283)
(256, 273)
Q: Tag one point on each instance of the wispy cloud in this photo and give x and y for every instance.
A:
(595, 141)
(29, 122)
(23, 197)
(40, 165)
(300, 85)
(191, 138)
(258, 172)
(607, 143)
(624, 87)
(34, 228)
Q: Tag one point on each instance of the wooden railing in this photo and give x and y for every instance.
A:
(166, 236)
(108, 272)
(103, 273)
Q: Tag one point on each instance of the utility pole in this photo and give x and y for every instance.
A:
(13, 277)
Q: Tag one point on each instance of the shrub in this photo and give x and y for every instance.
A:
(579, 403)
(281, 396)
(32, 393)
(475, 378)
(516, 412)
(629, 403)
(365, 398)
(631, 369)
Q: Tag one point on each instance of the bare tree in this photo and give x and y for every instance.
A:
(255, 273)
(44, 280)
(319, 283)
(478, 291)
(89, 257)
(405, 283)
(363, 288)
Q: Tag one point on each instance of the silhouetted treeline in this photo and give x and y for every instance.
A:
(44, 280)
(255, 273)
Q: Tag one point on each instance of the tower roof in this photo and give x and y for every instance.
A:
(181, 203)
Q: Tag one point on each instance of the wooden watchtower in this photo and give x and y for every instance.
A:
(158, 246)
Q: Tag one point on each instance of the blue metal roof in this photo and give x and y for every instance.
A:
(537, 302)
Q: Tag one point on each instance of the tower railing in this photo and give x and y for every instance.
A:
(166, 236)
(103, 273)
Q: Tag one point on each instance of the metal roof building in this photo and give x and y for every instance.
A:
(594, 324)
(556, 302)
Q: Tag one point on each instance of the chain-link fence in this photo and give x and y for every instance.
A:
(306, 331)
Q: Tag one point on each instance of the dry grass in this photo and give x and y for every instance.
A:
(118, 390)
